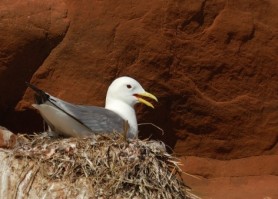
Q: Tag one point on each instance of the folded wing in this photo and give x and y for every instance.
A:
(97, 119)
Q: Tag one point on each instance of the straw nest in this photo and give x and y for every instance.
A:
(114, 167)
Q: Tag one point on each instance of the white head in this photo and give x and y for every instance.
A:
(122, 95)
(129, 91)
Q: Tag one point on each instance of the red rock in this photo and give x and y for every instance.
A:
(253, 177)
(255, 187)
(212, 168)
(29, 31)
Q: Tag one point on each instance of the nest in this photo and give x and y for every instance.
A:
(112, 166)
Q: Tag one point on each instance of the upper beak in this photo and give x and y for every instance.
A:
(148, 95)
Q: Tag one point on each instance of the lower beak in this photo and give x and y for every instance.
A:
(146, 95)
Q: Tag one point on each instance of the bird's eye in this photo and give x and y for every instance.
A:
(128, 86)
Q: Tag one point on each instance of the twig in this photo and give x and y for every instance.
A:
(162, 131)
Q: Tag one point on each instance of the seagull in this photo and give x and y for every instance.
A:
(72, 120)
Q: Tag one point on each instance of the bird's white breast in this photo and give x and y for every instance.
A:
(127, 113)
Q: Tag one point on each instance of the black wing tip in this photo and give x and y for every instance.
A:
(40, 96)
(33, 87)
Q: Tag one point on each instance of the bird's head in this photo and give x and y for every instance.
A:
(129, 91)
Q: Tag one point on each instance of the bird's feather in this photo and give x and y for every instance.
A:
(96, 119)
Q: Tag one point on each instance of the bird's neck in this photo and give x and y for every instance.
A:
(127, 112)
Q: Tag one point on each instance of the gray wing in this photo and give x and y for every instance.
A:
(97, 119)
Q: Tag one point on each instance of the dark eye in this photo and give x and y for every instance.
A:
(128, 86)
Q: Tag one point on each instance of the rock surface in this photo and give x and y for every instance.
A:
(253, 177)
(212, 64)
(29, 31)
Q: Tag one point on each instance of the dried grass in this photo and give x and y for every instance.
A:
(114, 166)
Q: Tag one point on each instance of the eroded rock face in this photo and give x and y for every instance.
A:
(212, 64)
(238, 178)
(29, 31)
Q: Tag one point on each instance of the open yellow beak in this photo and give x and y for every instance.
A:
(143, 101)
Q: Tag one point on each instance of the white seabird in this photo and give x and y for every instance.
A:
(80, 121)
